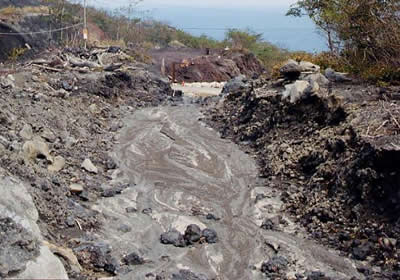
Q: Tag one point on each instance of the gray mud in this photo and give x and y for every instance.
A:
(183, 171)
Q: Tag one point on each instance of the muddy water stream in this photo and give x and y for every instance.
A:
(183, 171)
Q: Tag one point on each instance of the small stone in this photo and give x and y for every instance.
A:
(93, 108)
(58, 164)
(70, 221)
(147, 211)
(212, 217)
(26, 133)
(210, 235)
(89, 166)
(130, 210)
(173, 237)
(76, 188)
(192, 234)
(125, 228)
(133, 259)
(48, 135)
(66, 86)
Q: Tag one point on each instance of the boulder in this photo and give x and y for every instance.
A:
(337, 77)
(36, 148)
(24, 255)
(173, 237)
(192, 234)
(210, 235)
(309, 67)
(89, 166)
(296, 90)
(236, 84)
(133, 259)
(291, 70)
(317, 78)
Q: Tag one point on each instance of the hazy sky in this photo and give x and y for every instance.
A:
(201, 3)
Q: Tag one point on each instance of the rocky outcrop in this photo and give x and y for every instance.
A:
(22, 251)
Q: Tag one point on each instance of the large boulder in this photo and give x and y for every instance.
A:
(337, 77)
(236, 84)
(23, 254)
(291, 70)
(299, 89)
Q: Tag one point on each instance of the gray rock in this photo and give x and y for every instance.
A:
(337, 77)
(317, 78)
(36, 148)
(89, 166)
(16, 204)
(296, 90)
(173, 237)
(291, 70)
(48, 135)
(133, 259)
(210, 235)
(18, 246)
(192, 234)
(57, 165)
(76, 188)
(309, 67)
(26, 133)
(236, 84)
(188, 275)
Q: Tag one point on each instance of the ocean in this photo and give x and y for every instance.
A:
(287, 32)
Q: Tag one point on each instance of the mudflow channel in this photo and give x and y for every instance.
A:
(182, 170)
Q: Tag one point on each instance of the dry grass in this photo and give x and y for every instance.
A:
(15, 11)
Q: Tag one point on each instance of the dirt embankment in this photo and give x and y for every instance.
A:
(193, 65)
(337, 157)
(57, 127)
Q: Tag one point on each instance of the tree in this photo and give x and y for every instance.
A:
(242, 39)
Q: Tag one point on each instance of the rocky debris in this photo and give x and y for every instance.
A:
(18, 246)
(46, 129)
(188, 275)
(89, 166)
(173, 237)
(275, 265)
(98, 257)
(334, 152)
(193, 234)
(133, 259)
(334, 76)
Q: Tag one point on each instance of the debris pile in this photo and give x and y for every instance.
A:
(335, 151)
(59, 120)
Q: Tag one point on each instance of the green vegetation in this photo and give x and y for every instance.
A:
(363, 35)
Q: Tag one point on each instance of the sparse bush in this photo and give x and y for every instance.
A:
(363, 34)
